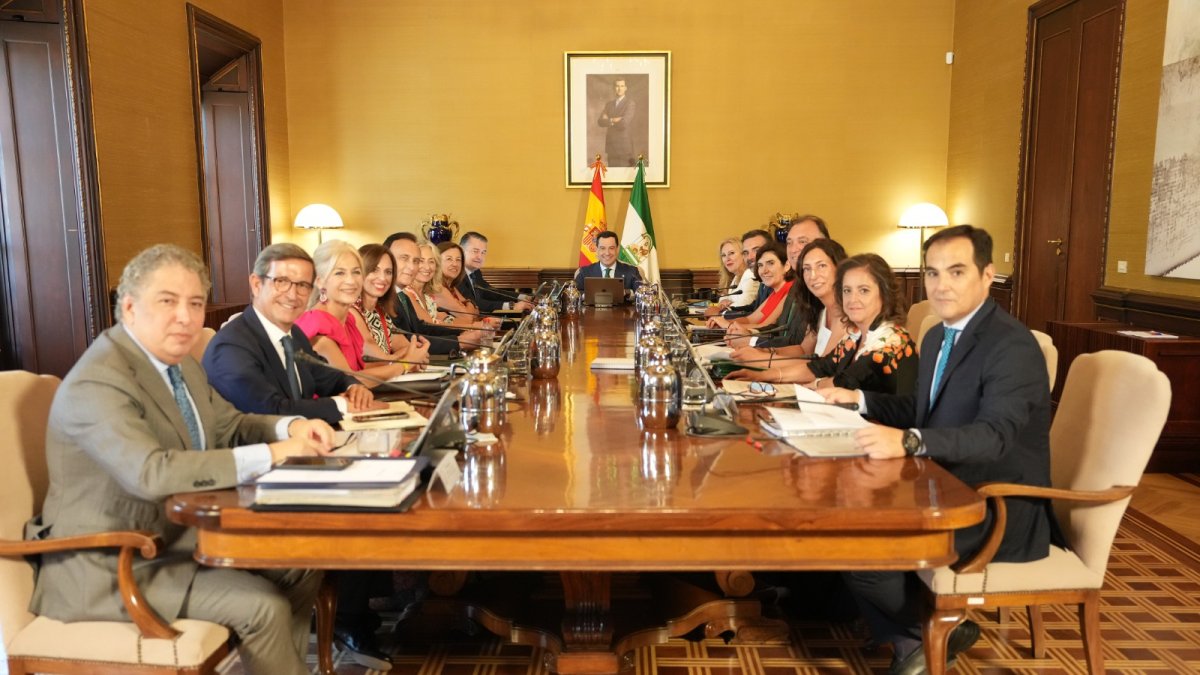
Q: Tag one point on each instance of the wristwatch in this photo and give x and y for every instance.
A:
(911, 442)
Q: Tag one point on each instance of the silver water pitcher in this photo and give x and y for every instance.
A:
(658, 397)
(481, 402)
(572, 301)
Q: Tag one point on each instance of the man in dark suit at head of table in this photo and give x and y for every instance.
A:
(981, 409)
(475, 288)
(607, 266)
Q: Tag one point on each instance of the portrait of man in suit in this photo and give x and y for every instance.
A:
(621, 102)
(134, 422)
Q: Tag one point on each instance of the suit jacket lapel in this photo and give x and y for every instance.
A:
(149, 379)
(267, 349)
(966, 342)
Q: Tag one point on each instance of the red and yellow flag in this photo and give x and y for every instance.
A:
(594, 222)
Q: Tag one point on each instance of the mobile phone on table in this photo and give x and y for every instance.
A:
(318, 463)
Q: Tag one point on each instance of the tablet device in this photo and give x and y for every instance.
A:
(614, 288)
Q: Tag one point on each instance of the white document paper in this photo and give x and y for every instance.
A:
(612, 363)
(813, 419)
(741, 389)
(714, 353)
(360, 472)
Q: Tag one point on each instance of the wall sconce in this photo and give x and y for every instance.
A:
(919, 217)
(318, 217)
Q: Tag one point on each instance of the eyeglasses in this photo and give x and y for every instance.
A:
(284, 284)
(760, 389)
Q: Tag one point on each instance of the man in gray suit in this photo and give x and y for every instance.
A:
(134, 422)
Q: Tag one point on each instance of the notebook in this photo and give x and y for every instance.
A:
(378, 483)
(815, 429)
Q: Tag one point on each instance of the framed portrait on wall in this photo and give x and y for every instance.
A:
(618, 106)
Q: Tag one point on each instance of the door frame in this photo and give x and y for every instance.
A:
(97, 298)
(198, 19)
(1021, 287)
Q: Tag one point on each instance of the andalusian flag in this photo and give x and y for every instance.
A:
(638, 246)
(594, 222)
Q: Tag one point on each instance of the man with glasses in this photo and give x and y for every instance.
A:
(252, 361)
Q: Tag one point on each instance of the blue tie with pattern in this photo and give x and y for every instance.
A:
(943, 359)
(175, 374)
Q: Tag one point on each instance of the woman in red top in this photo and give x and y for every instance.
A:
(771, 269)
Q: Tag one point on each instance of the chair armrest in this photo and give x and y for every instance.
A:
(996, 492)
(143, 615)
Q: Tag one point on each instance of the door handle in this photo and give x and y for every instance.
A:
(1057, 245)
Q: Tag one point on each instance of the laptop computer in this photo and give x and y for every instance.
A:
(601, 292)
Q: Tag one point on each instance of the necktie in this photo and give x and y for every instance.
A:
(289, 366)
(175, 374)
(608, 273)
(943, 359)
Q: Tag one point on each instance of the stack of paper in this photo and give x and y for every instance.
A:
(817, 430)
(377, 483)
(741, 389)
(710, 353)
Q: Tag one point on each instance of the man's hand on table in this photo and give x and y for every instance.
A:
(306, 437)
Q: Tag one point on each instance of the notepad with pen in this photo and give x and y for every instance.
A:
(815, 429)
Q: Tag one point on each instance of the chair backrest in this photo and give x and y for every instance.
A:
(1113, 408)
(24, 408)
(917, 314)
(206, 336)
(1050, 352)
(927, 325)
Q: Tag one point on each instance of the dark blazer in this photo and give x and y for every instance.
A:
(764, 292)
(479, 291)
(442, 340)
(628, 274)
(243, 365)
(618, 145)
(117, 447)
(990, 423)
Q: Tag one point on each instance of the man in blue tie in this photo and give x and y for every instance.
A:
(136, 421)
(981, 409)
(608, 267)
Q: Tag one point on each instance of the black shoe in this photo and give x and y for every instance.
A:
(961, 639)
(362, 648)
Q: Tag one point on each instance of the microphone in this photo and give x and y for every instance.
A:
(802, 357)
(367, 358)
(304, 356)
(761, 332)
(497, 291)
(437, 337)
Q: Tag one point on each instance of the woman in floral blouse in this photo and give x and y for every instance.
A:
(877, 354)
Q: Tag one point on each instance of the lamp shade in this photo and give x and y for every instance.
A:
(924, 215)
(318, 217)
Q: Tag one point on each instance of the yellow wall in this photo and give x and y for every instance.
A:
(985, 131)
(400, 109)
(145, 134)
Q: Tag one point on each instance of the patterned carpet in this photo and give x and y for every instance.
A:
(1150, 613)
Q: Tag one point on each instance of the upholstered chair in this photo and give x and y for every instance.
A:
(1113, 408)
(37, 644)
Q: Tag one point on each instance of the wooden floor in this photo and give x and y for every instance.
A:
(1150, 614)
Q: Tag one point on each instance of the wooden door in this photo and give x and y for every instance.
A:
(1070, 114)
(227, 73)
(233, 228)
(45, 303)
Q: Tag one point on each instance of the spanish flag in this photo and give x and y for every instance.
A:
(594, 222)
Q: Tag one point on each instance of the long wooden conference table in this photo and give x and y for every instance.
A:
(575, 488)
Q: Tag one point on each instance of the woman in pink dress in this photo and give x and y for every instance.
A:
(328, 322)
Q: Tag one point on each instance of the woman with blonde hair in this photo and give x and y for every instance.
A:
(328, 323)
(429, 283)
(737, 284)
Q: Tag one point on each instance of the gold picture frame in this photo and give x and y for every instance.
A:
(617, 105)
